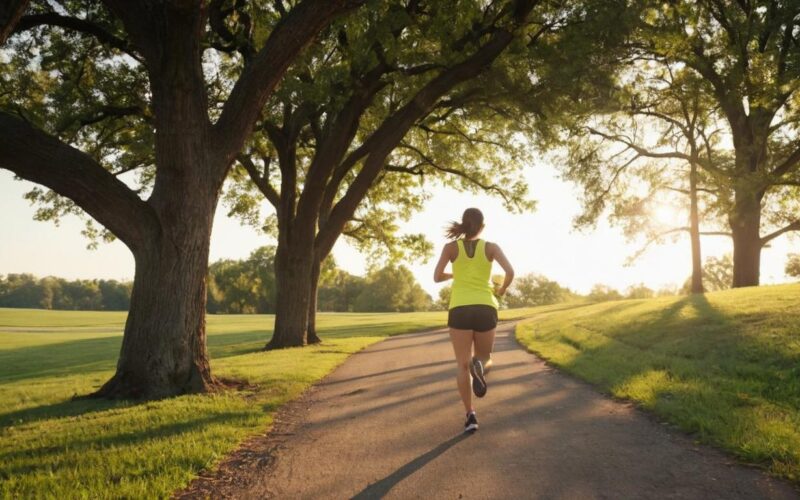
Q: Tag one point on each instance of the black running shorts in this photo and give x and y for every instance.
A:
(478, 318)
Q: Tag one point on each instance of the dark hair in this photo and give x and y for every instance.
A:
(470, 225)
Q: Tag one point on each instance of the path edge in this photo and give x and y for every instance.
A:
(656, 418)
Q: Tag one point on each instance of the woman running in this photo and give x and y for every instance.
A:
(473, 306)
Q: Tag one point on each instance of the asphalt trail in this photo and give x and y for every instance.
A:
(387, 423)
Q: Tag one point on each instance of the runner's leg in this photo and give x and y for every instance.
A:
(462, 347)
(484, 344)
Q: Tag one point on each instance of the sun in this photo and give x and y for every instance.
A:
(668, 215)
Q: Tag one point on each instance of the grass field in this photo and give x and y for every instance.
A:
(724, 366)
(51, 446)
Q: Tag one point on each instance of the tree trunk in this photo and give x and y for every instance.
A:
(694, 233)
(164, 347)
(293, 263)
(312, 336)
(745, 226)
(10, 13)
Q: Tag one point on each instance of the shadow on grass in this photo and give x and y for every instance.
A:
(721, 375)
(68, 408)
(380, 488)
(74, 357)
(38, 458)
(82, 356)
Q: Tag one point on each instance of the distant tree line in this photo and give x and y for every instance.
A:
(244, 286)
(28, 291)
(249, 286)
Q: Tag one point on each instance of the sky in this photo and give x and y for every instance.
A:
(542, 241)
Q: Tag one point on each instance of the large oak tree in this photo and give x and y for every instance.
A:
(91, 90)
(748, 53)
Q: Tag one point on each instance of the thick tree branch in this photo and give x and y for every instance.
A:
(338, 175)
(43, 159)
(794, 226)
(787, 165)
(259, 78)
(78, 25)
(216, 18)
(337, 136)
(347, 120)
(10, 13)
(729, 100)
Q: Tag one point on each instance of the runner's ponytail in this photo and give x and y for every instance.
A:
(471, 224)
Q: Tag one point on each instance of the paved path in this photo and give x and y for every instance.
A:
(388, 423)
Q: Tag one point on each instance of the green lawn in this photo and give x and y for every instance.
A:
(724, 366)
(51, 446)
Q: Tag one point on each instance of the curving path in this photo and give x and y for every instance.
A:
(387, 423)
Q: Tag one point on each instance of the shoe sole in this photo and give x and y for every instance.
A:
(471, 428)
(478, 380)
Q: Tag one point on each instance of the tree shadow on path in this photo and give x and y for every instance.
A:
(380, 488)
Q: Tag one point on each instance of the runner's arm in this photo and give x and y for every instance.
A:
(496, 253)
(438, 274)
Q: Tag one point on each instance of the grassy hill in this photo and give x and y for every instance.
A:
(53, 446)
(724, 366)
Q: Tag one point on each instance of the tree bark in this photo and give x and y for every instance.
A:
(10, 13)
(694, 232)
(164, 347)
(293, 264)
(745, 224)
(745, 215)
(312, 336)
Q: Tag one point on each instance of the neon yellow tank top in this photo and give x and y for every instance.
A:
(471, 275)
